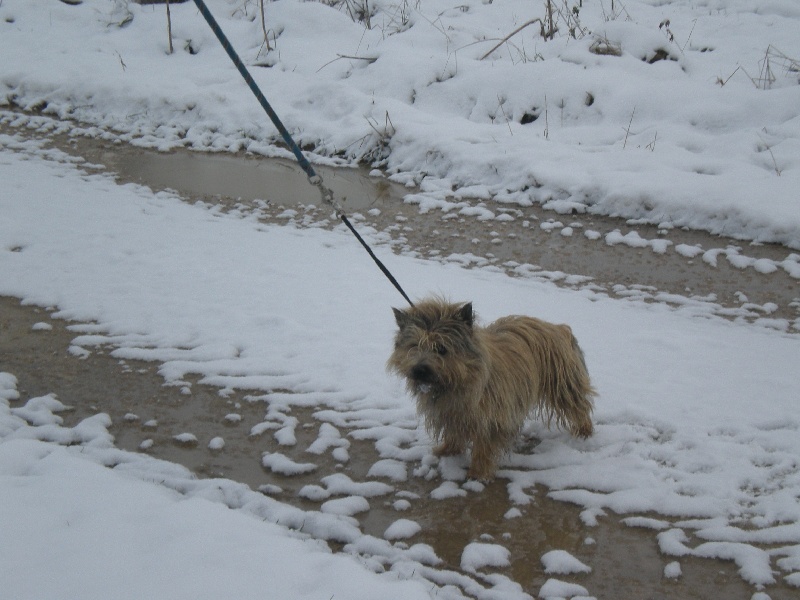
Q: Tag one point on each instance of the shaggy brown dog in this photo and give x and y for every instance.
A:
(476, 385)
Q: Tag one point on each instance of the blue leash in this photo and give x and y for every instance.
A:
(313, 178)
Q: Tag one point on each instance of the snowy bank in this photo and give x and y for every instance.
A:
(672, 112)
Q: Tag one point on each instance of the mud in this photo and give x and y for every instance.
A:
(626, 562)
(531, 236)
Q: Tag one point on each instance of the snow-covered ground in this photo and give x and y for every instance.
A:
(697, 430)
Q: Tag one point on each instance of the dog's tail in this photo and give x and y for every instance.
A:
(567, 391)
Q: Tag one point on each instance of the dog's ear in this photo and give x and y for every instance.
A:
(402, 317)
(465, 314)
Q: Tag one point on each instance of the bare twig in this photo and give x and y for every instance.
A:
(628, 130)
(169, 29)
(774, 162)
(264, 26)
(550, 24)
(500, 103)
(369, 59)
(652, 145)
(515, 32)
(722, 82)
(546, 121)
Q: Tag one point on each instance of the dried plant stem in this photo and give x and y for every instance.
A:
(628, 130)
(515, 32)
(169, 29)
(264, 26)
(502, 110)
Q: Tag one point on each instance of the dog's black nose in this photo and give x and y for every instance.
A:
(423, 373)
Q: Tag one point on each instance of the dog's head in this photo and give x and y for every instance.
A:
(435, 346)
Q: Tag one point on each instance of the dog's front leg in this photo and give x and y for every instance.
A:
(483, 461)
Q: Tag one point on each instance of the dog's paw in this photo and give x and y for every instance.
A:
(446, 449)
(480, 477)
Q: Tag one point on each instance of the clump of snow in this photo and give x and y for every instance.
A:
(448, 489)
(280, 463)
(41, 326)
(402, 529)
(401, 505)
(555, 588)
(394, 470)
(216, 443)
(673, 570)
(186, 438)
(478, 555)
(589, 516)
(347, 506)
(562, 562)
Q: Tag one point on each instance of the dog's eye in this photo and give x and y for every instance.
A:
(441, 350)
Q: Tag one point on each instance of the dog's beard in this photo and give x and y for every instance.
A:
(424, 388)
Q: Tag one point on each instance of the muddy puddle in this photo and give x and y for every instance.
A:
(570, 250)
(625, 561)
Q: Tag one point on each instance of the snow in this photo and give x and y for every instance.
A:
(402, 529)
(280, 463)
(555, 588)
(697, 431)
(714, 124)
(81, 517)
(672, 570)
(186, 438)
(562, 562)
(347, 506)
(478, 555)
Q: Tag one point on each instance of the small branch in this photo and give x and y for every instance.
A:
(628, 130)
(169, 29)
(264, 26)
(500, 104)
(515, 32)
(369, 59)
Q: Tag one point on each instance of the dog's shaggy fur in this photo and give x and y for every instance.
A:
(476, 385)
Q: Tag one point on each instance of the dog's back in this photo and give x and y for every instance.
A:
(539, 367)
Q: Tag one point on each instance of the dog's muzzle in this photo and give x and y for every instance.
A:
(423, 373)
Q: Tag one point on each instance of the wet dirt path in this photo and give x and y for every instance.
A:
(625, 561)
(147, 415)
(625, 259)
